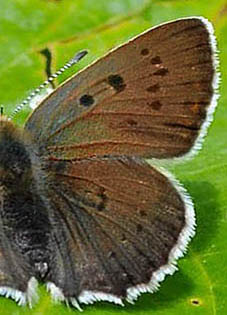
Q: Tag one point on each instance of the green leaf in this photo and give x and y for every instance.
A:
(65, 27)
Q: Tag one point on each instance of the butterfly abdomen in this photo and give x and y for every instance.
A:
(23, 213)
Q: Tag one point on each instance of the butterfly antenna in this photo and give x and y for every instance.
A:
(68, 65)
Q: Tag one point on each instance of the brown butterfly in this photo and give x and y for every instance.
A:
(81, 210)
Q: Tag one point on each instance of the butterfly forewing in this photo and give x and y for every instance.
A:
(152, 104)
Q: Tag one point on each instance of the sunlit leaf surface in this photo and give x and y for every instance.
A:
(65, 27)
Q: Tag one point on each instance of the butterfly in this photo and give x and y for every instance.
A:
(81, 209)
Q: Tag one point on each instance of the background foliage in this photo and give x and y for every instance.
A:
(66, 26)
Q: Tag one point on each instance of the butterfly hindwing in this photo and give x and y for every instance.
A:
(152, 104)
(107, 238)
(16, 274)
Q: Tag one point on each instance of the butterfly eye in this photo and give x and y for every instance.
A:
(87, 100)
(117, 82)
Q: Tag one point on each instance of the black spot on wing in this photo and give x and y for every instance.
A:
(144, 52)
(156, 60)
(161, 72)
(86, 100)
(117, 82)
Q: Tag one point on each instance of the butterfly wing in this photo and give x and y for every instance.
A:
(118, 224)
(16, 279)
(149, 97)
